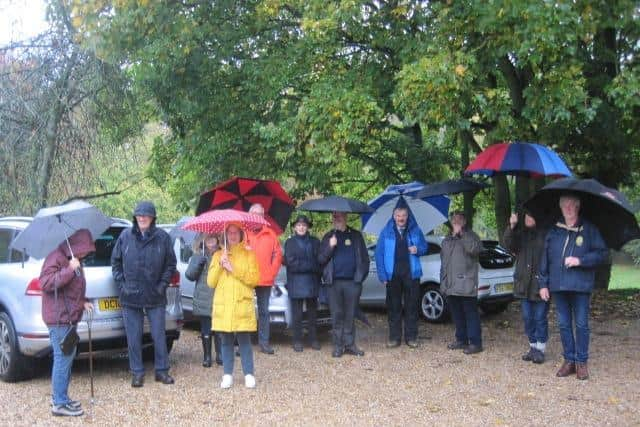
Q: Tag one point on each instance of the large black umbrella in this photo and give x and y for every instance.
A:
(451, 186)
(606, 208)
(335, 204)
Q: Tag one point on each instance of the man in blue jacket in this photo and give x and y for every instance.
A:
(572, 251)
(398, 251)
(142, 264)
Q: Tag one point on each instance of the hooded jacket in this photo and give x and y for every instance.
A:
(234, 309)
(268, 252)
(56, 274)
(386, 249)
(583, 241)
(142, 266)
(202, 294)
(459, 264)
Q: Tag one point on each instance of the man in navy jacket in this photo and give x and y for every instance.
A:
(398, 251)
(573, 249)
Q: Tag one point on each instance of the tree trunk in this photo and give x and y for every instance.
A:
(502, 203)
(467, 197)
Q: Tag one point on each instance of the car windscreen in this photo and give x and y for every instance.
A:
(104, 246)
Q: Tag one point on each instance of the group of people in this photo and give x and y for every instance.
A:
(230, 269)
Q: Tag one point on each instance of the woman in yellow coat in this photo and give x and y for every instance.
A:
(234, 275)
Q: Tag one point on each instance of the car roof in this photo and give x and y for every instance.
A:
(21, 222)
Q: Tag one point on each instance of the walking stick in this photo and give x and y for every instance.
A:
(90, 360)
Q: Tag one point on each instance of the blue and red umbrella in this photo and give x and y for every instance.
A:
(519, 158)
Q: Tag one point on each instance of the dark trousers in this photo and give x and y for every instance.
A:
(133, 318)
(205, 330)
(464, 311)
(403, 291)
(343, 299)
(262, 296)
(296, 318)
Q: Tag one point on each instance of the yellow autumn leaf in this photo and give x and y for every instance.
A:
(76, 21)
(460, 70)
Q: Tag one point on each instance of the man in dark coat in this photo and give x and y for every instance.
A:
(573, 249)
(527, 244)
(142, 263)
(400, 245)
(459, 282)
(303, 280)
(344, 256)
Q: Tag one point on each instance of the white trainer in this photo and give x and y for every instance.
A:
(249, 381)
(227, 381)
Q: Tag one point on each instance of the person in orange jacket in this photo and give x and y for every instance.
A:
(264, 242)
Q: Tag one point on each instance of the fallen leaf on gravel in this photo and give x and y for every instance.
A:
(613, 400)
(434, 408)
(487, 402)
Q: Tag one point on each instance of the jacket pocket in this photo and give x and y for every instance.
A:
(130, 288)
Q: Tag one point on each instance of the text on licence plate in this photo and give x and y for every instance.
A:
(108, 304)
(504, 287)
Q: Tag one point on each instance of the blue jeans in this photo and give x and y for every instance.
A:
(246, 351)
(536, 324)
(133, 324)
(61, 371)
(464, 311)
(573, 307)
(262, 295)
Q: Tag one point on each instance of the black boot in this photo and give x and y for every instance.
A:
(218, 345)
(206, 348)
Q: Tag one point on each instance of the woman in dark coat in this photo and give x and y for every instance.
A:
(527, 243)
(303, 280)
(203, 248)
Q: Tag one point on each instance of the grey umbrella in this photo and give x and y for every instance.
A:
(52, 226)
(335, 204)
(452, 186)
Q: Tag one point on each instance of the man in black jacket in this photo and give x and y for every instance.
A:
(142, 264)
(344, 256)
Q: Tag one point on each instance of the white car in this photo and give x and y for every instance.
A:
(495, 287)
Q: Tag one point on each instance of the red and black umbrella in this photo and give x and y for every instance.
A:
(240, 193)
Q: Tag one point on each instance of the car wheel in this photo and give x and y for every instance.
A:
(494, 308)
(13, 366)
(433, 305)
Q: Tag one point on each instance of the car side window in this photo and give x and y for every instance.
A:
(6, 235)
(185, 251)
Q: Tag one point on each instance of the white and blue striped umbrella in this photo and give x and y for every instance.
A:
(429, 212)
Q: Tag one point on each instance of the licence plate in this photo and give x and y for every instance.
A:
(108, 304)
(504, 287)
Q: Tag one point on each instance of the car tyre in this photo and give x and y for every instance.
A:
(13, 365)
(433, 305)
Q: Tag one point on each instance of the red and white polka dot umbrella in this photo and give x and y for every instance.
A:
(217, 220)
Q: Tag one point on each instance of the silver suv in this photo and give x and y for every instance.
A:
(24, 336)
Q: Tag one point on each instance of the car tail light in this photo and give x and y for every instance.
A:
(484, 287)
(33, 288)
(175, 280)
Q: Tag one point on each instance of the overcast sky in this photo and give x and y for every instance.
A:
(20, 19)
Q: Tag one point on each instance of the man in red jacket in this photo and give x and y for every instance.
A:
(266, 246)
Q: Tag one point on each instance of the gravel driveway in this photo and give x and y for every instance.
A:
(385, 387)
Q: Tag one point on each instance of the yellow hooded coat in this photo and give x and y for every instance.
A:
(233, 305)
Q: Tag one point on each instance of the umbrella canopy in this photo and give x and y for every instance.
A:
(240, 193)
(335, 204)
(606, 208)
(429, 212)
(52, 226)
(177, 232)
(519, 158)
(216, 221)
(451, 186)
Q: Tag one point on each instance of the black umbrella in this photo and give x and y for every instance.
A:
(606, 208)
(335, 204)
(451, 186)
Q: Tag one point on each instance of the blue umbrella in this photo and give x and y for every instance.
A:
(429, 212)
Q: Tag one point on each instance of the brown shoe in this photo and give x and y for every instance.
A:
(582, 372)
(566, 369)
